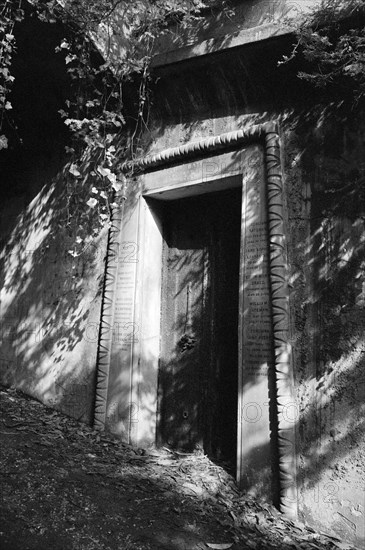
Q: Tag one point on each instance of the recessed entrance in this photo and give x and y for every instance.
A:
(198, 372)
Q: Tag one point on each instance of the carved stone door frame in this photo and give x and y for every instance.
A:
(282, 394)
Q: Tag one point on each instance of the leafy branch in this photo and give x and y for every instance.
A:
(11, 12)
(332, 41)
(102, 135)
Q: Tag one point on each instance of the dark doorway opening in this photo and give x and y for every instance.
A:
(198, 377)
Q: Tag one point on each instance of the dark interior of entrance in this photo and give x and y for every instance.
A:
(199, 342)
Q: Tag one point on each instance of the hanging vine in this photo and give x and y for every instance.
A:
(94, 113)
(11, 12)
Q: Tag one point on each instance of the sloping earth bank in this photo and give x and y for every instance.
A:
(65, 486)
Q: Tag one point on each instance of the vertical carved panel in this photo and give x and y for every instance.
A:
(254, 447)
(280, 316)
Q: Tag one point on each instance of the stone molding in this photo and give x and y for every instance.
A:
(107, 314)
(204, 147)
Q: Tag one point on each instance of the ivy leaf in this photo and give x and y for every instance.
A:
(19, 15)
(8, 105)
(74, 171)
(116, 184)
(92, 202)
(95, 190)
(107, 173)
(102, 171)
(113, 180)
(69, 58)
(3, 142)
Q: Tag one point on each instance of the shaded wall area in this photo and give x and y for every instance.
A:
(326, 223)
(50, 286)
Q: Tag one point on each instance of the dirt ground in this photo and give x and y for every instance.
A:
(65, 486)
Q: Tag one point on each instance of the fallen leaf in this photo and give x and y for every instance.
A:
(342, 545)
(222, 546)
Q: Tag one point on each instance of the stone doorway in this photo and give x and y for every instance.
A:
(198, 371)
(129, 392)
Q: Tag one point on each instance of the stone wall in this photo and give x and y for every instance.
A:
(50, 286)
(323, 150)
(325, 183)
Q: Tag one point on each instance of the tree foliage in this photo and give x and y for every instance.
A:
(96, 108)
(332, 40)
(103, 136)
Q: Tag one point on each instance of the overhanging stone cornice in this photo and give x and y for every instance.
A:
(220, 44)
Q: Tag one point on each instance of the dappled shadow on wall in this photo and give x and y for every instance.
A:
(327, 249)
(52, 247)
(50, 298)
